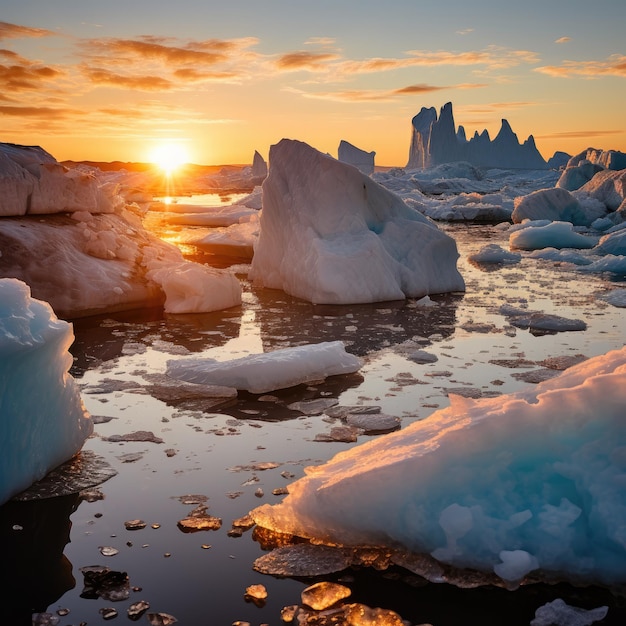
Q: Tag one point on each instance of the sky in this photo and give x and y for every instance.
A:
(217, 81)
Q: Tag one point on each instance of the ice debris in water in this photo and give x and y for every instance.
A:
(102, 582)
(256, 594)
(303, 559)
(324, 594)
(161, 619)
(535, 320)
(558, 613)
(279, 369)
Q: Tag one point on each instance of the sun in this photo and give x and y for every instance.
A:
(169, 157)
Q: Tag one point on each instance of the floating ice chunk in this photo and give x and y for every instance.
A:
(324, 594)
(260, 373)
(617, 297)
(609, 263)
(541, 471)
(558, 613)
(613, 243)
(553, 235)
(195, 288)
(553, 204)
(493, 253)
(536, 320)
(43, 422)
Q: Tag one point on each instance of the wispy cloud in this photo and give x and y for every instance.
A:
(578, 134)
(150, 63)
(615, 65)
(465, 31)
(43, 113)
(15, 31)
(376, 95)
(331, 62)
(305, 60)
(562, 40)
(20, 74)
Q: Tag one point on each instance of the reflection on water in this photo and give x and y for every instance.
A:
(204, 199)
(33, 536)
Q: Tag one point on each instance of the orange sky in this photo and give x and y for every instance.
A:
(99, 83)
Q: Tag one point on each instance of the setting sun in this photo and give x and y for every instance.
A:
(169, 157)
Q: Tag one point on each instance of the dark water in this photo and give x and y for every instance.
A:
(220, 448)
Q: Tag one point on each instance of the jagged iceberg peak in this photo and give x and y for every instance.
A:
(420, 137)
(331, 235)
(259, 165)
(362, 160)
(435, 141)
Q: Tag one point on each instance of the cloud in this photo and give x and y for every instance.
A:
(615, 65)
(43, 113)
(562, 40)
(465, 31)
(304, 60)
(23, 75)
(578, 134)
(15, 31)
(101, 76)
(191, 75)
(150, 63)
(375, 95)
(135, 49)
(320, 41)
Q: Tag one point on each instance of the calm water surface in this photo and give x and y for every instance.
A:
(213, 447)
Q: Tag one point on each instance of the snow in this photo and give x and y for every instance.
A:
(329, 234)
(260, 373)
(43, 422)
(528, 482)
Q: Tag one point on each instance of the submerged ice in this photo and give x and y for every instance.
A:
(530, 482)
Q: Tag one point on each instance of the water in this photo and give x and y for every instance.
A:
(218, 449)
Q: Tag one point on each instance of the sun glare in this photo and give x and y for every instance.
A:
(169, 157)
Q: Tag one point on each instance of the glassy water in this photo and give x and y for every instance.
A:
(231, 454)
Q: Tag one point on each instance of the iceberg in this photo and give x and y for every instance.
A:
(362, 160)
(435, 141)
(531, 482)
(269, 371)
(329, 234)
(87, 250)
(43, 422)
(536, 235)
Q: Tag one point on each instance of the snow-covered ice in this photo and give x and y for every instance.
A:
(260, 373)
(532, 482)
(43, 422)
(329, 234)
